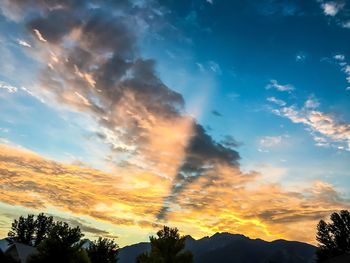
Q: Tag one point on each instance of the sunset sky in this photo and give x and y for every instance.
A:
(208, 115)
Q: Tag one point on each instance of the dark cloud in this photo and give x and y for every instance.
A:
(230, 142)
(85, 228)
(203, 154)
(203, 148)
(288, 216)
(55, 25)
(216, 113)
(103, 33)
(98, 70)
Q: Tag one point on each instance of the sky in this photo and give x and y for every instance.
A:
(206, 115)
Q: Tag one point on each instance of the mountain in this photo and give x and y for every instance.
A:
(233, 248)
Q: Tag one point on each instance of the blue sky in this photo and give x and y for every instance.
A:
(258, 86)
(252, 43)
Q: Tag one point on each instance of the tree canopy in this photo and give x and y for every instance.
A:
(167, 247)
(62, 245)
(30, 230)
(103, 250)
(334, 237)
(58, 242)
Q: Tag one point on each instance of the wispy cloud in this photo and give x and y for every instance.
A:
(215, 67)
(280, 87)
(340, 58)
(23, 43)
(39, 35)
(312, 103)
(210, 66)
(9, 88)
(270, 141)
(323, 127)
(276, 101)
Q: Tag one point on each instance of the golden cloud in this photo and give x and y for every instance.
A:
(132, 198)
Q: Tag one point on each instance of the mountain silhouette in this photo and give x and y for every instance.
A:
(234, 248)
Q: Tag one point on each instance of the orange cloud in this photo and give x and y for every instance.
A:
(131, 198)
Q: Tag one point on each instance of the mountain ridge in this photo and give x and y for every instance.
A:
(236, 248)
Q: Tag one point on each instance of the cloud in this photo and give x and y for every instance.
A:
(215, 67)
(230, 142)
(84, 100)
(216, 113)
(300, 57)
(321, 125)
(270, 141)
(200, 67)
(34, 95)
(9, 88)
(276, 101)
(92, 65)
(345, 67)
(167, 166)
(130, 199)
(332, 8)
(39, 35)
(283, 88)
(336, 11)
(23, 43)
(339, 57)
(84, 226)
(204, 158)
(210, 66)
(31, 181)
(311, 103)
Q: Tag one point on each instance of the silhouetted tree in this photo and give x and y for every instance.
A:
(103, 250)
(30, 230)
(43, 226)
(167, 247)
(333, 237)
(23, 229)
(63, 244)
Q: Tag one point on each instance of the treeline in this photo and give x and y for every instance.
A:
(58, 242)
